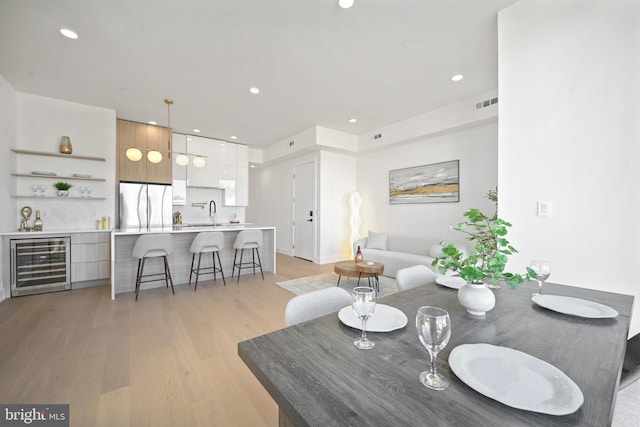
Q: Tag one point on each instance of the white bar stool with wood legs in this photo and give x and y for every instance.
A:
(207, 242)
(153, 246)
(247, 239)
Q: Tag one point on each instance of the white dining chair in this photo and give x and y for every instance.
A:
(411, 277)
(315, 304)
(627, 409)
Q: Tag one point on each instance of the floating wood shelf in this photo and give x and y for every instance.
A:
(56, 197)
(66, 156)
(30, 175)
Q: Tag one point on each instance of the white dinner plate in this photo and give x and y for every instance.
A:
(384, 319)
(575, 306)
(451, 281)
(45, 173)
(515, 379)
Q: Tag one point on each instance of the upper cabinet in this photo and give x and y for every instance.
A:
(213, 153)
(226, 167)
(145, 138)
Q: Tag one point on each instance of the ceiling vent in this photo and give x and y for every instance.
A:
(486, 103)
(376, 136)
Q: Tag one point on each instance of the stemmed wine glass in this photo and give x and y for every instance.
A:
(434, 330)
(42, 190)
(364, 303)
(543, 270)
(36, 190)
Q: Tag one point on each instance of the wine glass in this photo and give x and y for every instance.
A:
(43, 188)
(88, 191)
(82, 191)
(434, 330)
(36, 189)
(364, 303)
(543, 270)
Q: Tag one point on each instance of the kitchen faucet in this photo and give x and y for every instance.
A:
(212, 215)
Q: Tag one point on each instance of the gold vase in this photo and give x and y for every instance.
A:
(65, 145)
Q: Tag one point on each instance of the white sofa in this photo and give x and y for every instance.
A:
(397, 252)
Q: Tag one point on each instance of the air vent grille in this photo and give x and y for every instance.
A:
(486, 103)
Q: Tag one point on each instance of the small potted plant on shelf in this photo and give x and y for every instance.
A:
(63, 188)
(486, 264)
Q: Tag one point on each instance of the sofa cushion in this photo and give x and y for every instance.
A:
(377, 240)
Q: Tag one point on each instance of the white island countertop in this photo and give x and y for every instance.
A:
(186, 228)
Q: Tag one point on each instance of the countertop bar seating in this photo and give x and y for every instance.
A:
(318, 377)
(123, 265)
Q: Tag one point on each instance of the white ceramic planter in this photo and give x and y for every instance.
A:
(476, 298)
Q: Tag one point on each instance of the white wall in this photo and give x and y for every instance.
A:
(40, 124)
(270, 198)
(476, 148)
(271, 202)
(569, 107)
(8, 102)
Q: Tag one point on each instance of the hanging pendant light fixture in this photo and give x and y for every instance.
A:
(155, 156)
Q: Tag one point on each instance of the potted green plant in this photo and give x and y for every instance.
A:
(63, 188)
(487, 261)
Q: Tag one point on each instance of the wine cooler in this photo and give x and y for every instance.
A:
(40, 265)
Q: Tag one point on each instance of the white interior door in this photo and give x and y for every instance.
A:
(304, 211)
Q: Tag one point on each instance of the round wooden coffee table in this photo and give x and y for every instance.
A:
(349, 269)
(370, 269)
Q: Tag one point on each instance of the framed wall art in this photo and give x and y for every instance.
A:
(434, 183)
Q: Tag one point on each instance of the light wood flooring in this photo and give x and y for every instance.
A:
(165, 360)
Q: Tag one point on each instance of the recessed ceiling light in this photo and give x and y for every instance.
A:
(233, 137)
(352, 120)
(68, 33)
(196, 130)
(457, 78)
(189, 139)
(345, 4)
(254, 90)
(252, 166)
(151, 122)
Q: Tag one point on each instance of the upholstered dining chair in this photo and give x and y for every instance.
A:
(627, 408)
(411, 277)
(315, 304)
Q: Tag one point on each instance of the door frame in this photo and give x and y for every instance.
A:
(316, 221)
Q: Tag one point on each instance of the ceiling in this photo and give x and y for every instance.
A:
(379, 62)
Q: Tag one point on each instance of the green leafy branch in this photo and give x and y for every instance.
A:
(487, 262)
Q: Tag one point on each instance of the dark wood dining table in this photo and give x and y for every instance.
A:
(319, 378)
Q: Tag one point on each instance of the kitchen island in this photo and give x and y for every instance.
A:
(124, 266)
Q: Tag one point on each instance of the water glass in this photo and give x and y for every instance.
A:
(543, 271)
(364, 304)
(434, 330)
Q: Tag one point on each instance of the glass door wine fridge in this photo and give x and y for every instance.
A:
(40, 265)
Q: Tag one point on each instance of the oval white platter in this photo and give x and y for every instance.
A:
(515, 379)
(452, 282)
(575, 306)
(384, 319)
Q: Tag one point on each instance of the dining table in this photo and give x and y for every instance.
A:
(319, 378)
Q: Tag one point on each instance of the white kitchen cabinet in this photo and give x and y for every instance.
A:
(236, 183)
(215, 160)
(90, 257)
(179, 173)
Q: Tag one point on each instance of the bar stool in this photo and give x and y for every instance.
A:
(207, 242)
(247, 239)
(153, 246)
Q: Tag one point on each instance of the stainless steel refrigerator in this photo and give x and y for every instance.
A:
(145, 206)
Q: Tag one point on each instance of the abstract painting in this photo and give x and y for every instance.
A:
(434, 183)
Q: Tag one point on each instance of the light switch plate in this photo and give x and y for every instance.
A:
(544, 208)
